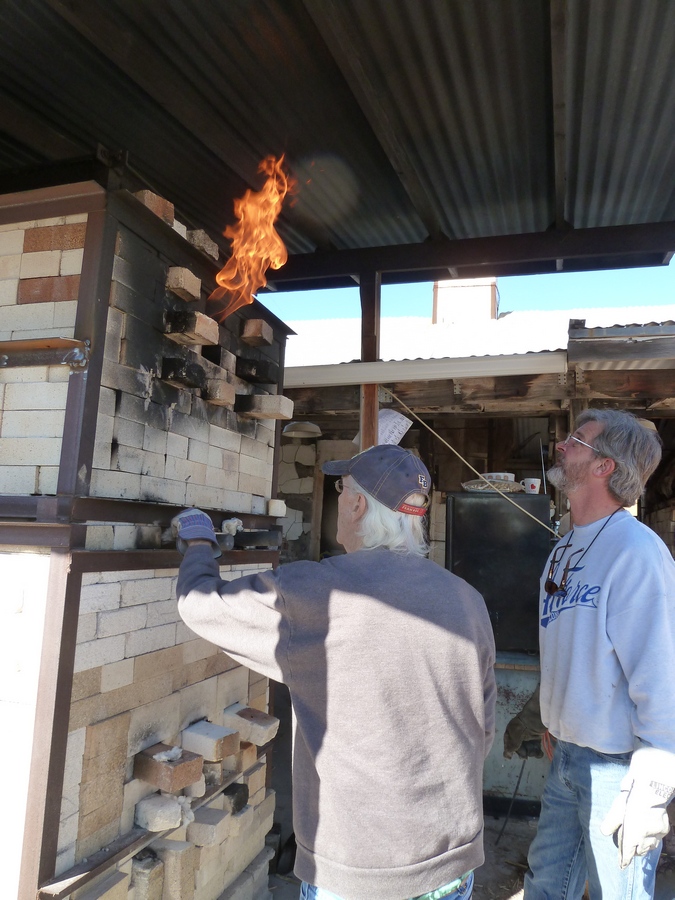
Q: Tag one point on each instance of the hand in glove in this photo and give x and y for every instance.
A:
(638, 816)
(523, 733)
(192, 525)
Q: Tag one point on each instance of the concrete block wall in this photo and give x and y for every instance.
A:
(159, 442)
(40, 264)
(140, 675)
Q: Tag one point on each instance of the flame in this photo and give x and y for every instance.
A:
(256, 245)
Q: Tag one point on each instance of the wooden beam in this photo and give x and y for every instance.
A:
(369, 289)
(486, 254)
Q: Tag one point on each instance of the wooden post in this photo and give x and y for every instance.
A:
(370, 284)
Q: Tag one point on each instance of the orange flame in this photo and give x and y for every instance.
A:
(256, 245)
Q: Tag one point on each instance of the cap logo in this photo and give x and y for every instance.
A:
(422, 480)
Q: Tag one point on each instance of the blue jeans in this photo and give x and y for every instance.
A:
(569, 848)
(312, 892)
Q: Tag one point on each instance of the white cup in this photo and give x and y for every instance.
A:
(531, 485)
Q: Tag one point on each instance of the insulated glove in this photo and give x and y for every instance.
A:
(191, 525)
(524, 731)
(638, 816)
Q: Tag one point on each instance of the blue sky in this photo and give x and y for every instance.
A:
(572, 290)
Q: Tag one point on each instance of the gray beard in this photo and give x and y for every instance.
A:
(558, 478)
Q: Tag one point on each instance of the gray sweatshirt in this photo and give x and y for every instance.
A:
(389, 663)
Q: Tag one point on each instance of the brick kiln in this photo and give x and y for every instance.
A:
(123, 402)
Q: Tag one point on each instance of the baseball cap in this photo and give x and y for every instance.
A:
(389, 473)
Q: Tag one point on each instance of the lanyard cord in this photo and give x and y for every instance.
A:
(459, 455)
(604, 524)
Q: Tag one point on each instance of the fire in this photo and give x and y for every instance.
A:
(256, 245)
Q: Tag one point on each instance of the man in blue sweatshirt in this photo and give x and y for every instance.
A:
(607, 642)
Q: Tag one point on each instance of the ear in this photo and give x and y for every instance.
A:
(604, 467)
(359, 506)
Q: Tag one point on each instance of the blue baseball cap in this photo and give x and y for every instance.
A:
(389, 473)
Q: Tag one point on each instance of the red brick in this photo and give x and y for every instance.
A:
(45, 290)
(171, 775)
(157, 204)
(55, 237)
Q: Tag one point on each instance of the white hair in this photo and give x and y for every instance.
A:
(393, 530)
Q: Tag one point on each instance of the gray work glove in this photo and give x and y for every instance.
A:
(523, 733)
(192, 525)
(638, 816)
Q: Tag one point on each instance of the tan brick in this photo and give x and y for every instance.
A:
(203, 242)
(183, 283)
(54, 237)
(102, 816)
(220, 392)
(88, 845)
(213, 742)
(254, 779)
(179, 867)
(97, 768)
(102, 706)
(265, 406)
(257, 333)
(106, 790)
(147, 878)
(248, 755)
(86, 684)
(106, 736)
(149, 665)
(41, 264)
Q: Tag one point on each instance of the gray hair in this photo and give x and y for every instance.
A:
(634, 447)
(389, 529)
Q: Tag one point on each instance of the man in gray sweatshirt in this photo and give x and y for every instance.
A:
(389, 663)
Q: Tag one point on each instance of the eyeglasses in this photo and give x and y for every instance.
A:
(340, 486)
(550, 586)
(571, 437)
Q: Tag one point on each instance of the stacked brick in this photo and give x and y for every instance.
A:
(40, 264)
(662, 521)
(143, 679)
(164, 431)
(186, 416)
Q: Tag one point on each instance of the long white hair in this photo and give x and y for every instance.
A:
(393, 530)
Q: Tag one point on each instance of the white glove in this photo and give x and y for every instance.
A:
(193, 524)
(638, 815)
(639, 818)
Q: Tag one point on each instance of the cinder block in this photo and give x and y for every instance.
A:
(168, 775)
(235, 798)
(203, 242)
(198, 789)
(213, 773)
(257, 333)
(191, 328)
(220, 392)
(121, 621)
(233, 688)
(181, 282)
(253, 725)
(248, 755)
(210, 827)
(147, 878)
(254, 779)
(264, 406)
(158, 813)
(213, 742)
(179, 868)
(99, 652)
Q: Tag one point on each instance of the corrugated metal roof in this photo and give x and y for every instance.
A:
(403, 120)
